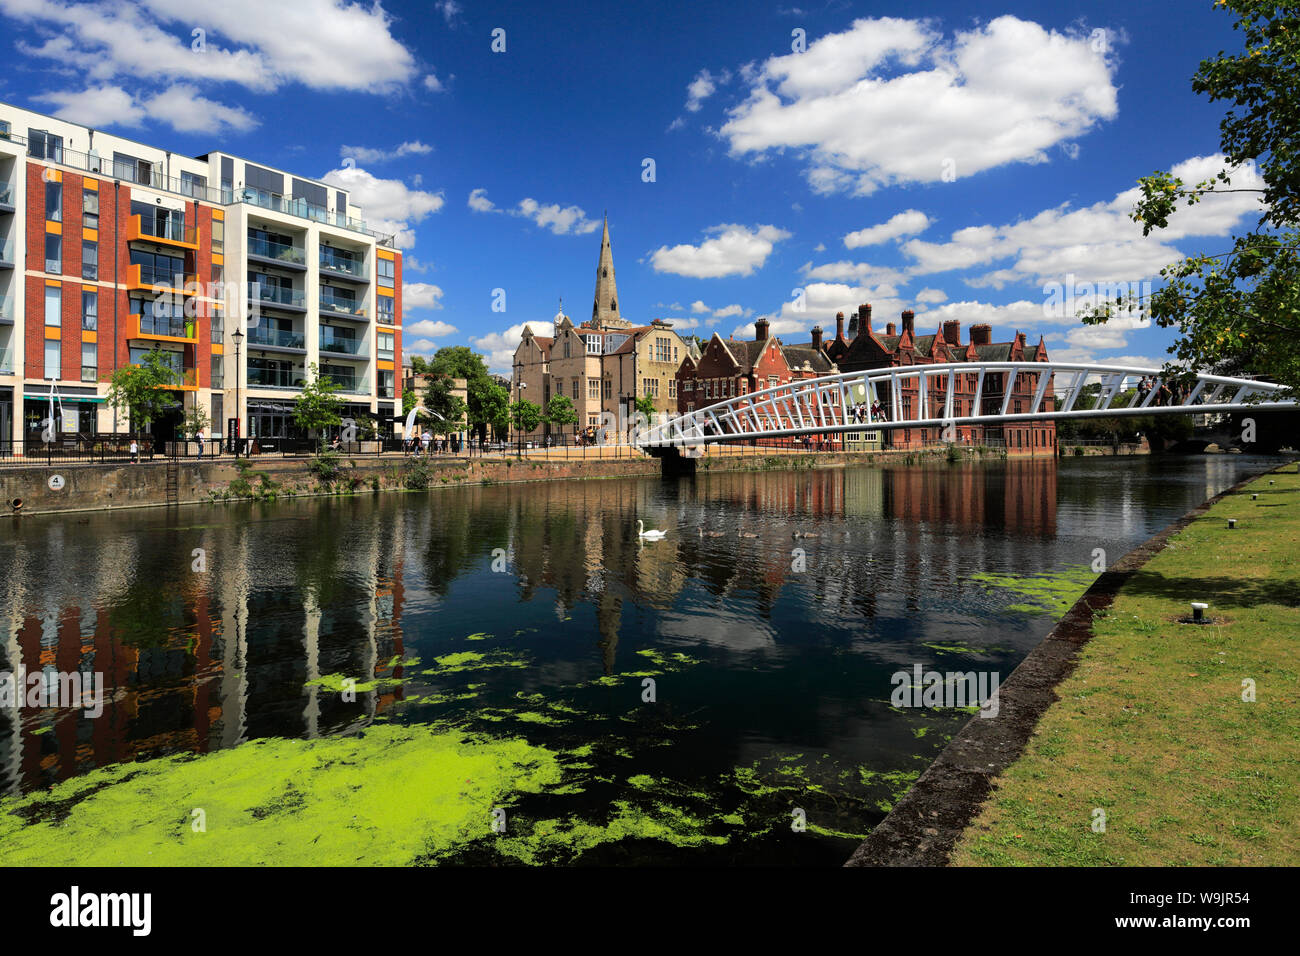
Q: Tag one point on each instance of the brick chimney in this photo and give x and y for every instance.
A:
(980, 334)
(864, 318)
(817, 338)
(760, 330)
(952, 332)
(909, 321)
(839, 326)
(891, 328)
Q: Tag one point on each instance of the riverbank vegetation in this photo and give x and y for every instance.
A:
(1173, 744)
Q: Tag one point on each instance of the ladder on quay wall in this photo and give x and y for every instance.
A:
(173, 483)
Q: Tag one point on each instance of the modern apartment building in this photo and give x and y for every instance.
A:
(242, 274)
(603, 365)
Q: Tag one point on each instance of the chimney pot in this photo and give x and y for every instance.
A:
(817, 338)
(760, 330)
(909, 319)
(981, 334)
(891, 328)
(952, 331)
(839, 326)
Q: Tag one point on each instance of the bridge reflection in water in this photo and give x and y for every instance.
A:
(194, 661)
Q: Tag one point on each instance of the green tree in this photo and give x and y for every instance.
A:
(646, 405)
(447, 408)
(141, 389)
(1238, 310)
(489, 402)
(318, 406)
(525, 416)
(197, 421)
(410, 398)
(560, 412)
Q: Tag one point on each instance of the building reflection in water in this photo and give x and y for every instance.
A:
(197, 661)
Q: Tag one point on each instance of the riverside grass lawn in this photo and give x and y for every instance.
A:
(1152, 728)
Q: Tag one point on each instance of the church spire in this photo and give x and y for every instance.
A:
(604, 308)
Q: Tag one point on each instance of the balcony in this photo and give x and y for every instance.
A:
(274, 378)
(342, 266)
(6, 197)
(187, 378)
(277, 298)
(341, 305)
(341, 345)
(163, 328)
(6, 361)
(303, 209)
(168, 232)
(277, 254)
(6, 310)
(350, 384)
(156, 280)
(276, 339)
(6, 254)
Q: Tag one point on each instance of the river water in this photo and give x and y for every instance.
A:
(728, 693)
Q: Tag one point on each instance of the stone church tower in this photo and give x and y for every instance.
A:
(604, 308)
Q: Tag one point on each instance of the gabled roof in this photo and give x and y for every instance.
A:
(797, 355)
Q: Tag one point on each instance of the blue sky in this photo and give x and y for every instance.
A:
(953, 158)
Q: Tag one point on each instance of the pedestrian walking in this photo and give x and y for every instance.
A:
(135, 452)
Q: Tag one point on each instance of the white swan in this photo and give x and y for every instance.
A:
(648, 535)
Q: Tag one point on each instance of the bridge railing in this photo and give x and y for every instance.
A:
(937, 393)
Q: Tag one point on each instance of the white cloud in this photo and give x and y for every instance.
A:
(479, 202)
(907, 223)
(421, 347)
(433, 84)
(179, 106)
(421, 295)
(698, 306)
(702, 87)
(429, 329)
(1000, 93)
(370, 156)
(389, 205)
(449, 9)
(860, 272)
(561, 220)
(931, 296)
(729, 310)
(733, 250)
(261, 46)
(1097, 243)
(499, 347)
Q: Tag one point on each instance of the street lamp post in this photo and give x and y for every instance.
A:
(238, 336)
(519, 397)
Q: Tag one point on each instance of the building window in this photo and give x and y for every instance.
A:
(54, 202)
(575, 387)
(386, 383)
(672, 388)
(593, 389)
(195, 186)
(650, 387)
(386, 271)
(90, 209)
(663, 349)
(53, 253)
(385, 309)
(386, 342)
(90, 311)
(772, 381)
(218, 371)
(566, 351)
(89, 362)
(53, 306)
(53, 361)
(44, 145)
(218, 235)
(218, 323)
(609, 388)
(90, 260)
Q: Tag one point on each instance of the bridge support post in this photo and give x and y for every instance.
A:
(673, 464)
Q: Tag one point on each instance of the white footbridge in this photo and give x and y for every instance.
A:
(921, 396)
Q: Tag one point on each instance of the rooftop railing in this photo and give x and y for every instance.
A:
(304, 209)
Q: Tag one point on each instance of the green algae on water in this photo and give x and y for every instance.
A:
(1050, 593)
(464, 661)
(386, 797)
